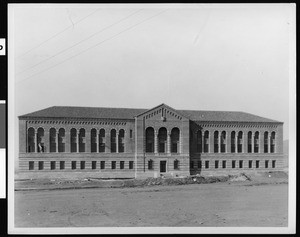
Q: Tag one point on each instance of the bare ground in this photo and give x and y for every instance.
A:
(259, 202)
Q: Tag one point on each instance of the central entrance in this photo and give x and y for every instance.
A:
(163, 165)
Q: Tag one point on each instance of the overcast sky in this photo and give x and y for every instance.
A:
(198, 57)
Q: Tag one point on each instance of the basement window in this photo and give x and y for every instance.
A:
(250, 164)
(52, 165)
(266, 164)
(94, 164)
(62, 165)
(41, 165)
(31, 165)
(121, 165)
(113, 165)
(241, 164)
(224, 164)
(257, 163)
(216, 164)
(233, 164)
(199, 164)
(102, 164)
(73, 165)
(82, 165)
(130, 165)
(206, 164)
(273, 163)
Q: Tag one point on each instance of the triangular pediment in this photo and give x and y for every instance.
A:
(162, 111)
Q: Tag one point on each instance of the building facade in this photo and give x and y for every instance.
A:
(127, 143)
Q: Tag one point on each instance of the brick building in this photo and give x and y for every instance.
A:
(126, 143)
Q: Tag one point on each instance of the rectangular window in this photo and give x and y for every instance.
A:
(192, 164)
(257, 163)
(53, 165)
(216, 164)
(62, 165)
(250, 164)
(206, 164)
(273, 163)
(102, 164)
(130, 165)
(150, 164)
(199, 164)
(233, 164)
(94, 164)
(266, 164)
(41, 165)
(113, 165)
(31, 165)
(130, 133)
(241, 164)
(82, 165)
(121, 165)
(73, 165)
(176, 164)
(224, 164)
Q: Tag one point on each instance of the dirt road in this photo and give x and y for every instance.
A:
(218, 204)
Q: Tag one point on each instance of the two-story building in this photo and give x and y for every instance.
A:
(127, 143)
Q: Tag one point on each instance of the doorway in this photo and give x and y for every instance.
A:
(163, 166)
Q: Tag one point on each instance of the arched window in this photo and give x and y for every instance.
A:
(102, 140)
(206, 141)
(121, 140)
(52, 139)
(223, 142)
(175, 140)
(216, 141)
(73, 135)
(199, 141)
(82, 140)
(113, 146)
(40, 140)
(162, 140)
(233, 142)
(266, 142)
(240, 142)
(273, 142)
(30, 140)
(61, 140)
(256, 142)
(93, 140)
(249, 142)
(150, 140)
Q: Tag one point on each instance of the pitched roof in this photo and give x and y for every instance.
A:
(129, 113)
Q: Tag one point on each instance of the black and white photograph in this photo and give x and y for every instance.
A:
(151, 118)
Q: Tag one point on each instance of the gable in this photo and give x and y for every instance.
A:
(162, 112)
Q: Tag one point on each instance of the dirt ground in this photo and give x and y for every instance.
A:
(256, 203)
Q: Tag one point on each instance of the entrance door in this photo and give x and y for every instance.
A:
(163, 165)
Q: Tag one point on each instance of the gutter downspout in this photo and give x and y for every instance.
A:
(135, 147)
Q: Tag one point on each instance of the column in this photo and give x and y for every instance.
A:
(252, 143)
(219, 142)
(168, 142)
(202, 141)
(97, 140)
(88, 142)
(68, 140)
(269, 144)
(46, 140)
(35, 141)
(236, 142)
(107, 141)
(117, 141)
(56, 142)
(77, 141)
(155, 141)
(180, 141)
